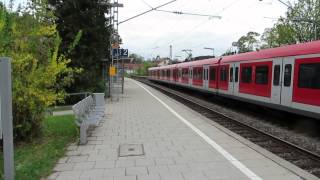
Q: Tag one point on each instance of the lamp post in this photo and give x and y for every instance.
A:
(211, 49)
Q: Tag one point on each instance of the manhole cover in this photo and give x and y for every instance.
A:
(131, 150)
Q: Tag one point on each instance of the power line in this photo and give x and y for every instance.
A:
(147, 4)
(187, 13)
(143, 13)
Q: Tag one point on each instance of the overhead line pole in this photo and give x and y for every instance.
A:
(152, 9)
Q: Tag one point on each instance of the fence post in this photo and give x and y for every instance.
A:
(6, 117)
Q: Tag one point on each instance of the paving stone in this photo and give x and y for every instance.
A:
(92, 173)
(171, 176)
(145, 162)
(136, 171)
(125, 178)
(114, 172)
(158, 169)
(63, 160)
(84, 165)
(194, 175)
(149, 177)
(64, 167)
(172, 150)
(69, 174)
(104, 164)
(164, 161)
(125, 163)
(77, 159)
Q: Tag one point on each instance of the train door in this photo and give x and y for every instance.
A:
(276, 80)
(236, 79)
(205, 76)
(180, 75)
(190, 75)
(287, 81)
(231, 79)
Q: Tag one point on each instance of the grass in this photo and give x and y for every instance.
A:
(37, 159)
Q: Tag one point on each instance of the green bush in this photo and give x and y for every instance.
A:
(39, 73)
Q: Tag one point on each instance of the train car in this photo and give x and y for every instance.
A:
(285, 78)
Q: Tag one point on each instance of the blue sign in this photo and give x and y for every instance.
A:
(120, 53)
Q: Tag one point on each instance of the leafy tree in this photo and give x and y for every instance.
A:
(137, 58)
(229, 52)
(301, 24)
(282, 33)
(304, 17)
(247, 43)
(39, 73)
(143, 71)
(85, 19)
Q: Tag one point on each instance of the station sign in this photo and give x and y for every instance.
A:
(112, 71)
(120, 53)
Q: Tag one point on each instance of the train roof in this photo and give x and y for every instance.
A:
(210, 61)
(284, 51)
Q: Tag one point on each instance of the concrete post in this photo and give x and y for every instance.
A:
(6, 117)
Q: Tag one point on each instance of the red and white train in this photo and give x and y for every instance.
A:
(285, 78)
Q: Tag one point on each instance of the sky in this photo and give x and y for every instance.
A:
(152, 34)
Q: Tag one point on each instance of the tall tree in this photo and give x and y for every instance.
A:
(304, 17)
(84, 20)
(247, 43)
(282, 33)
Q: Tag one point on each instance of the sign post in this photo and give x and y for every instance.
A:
(6, 117)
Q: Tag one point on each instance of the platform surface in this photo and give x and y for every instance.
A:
(177, 144)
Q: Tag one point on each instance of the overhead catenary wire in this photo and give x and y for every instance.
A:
(143, 13)
(202, 23)
(191, 14)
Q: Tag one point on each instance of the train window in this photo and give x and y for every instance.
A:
(195, 74)
(309, 76)
(236, 78)
(276, 76)
(223, 73)
(287, 75)
(212, 74)
(262, 74)
(246, 75)
(231, 74)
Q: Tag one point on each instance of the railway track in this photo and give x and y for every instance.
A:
(301, 157)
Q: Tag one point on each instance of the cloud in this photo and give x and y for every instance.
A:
(153, 33)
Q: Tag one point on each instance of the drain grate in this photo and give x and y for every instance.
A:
(131, 150)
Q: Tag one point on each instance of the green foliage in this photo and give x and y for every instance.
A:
(36, 160)
(85, 19)
(143, 71)
(304, 18)
(247, 43)
(282, 33)
(301, 24)
(39, 73)
(137, 58)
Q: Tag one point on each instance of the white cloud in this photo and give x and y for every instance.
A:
(153, 33)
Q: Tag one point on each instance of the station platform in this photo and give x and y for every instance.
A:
(148, 136)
